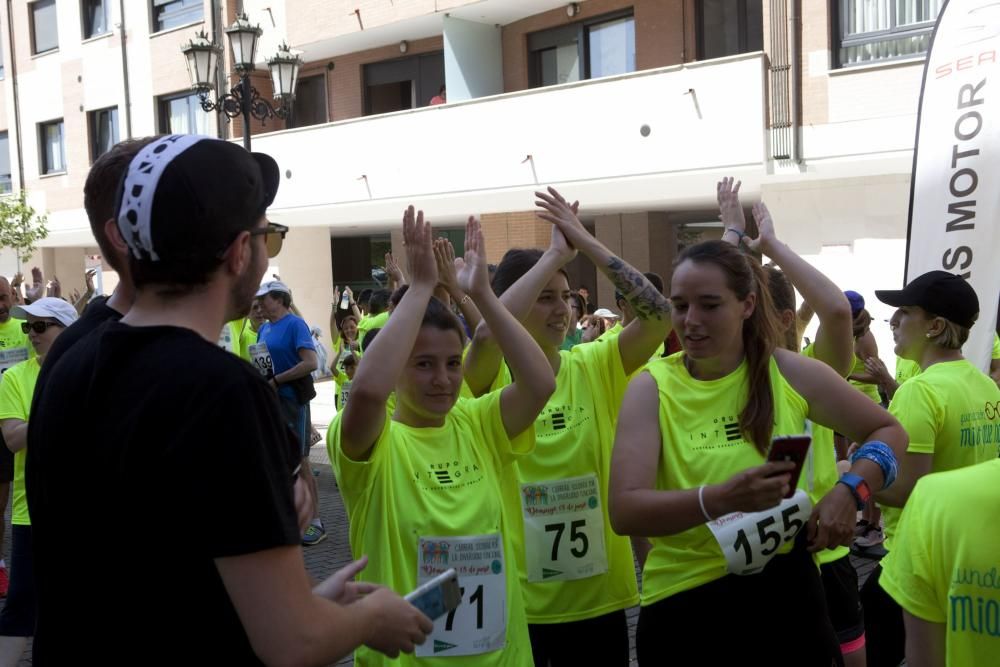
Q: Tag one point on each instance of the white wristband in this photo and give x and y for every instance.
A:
(701, 501)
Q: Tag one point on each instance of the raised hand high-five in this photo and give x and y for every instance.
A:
(562, 214)
(418, 241)
(727, 192)
(474, 275)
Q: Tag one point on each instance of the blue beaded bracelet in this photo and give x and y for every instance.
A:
(883, 456)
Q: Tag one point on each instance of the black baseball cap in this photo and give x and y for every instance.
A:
(944, 294)
(184, 195)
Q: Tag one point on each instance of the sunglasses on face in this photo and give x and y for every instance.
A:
(38, 327)
(274, 237)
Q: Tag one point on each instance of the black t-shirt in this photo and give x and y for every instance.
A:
(154, 452)
(94, 315)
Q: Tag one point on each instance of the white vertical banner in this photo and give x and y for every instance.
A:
(954, 222)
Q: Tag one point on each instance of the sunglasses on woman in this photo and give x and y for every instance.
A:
(274, 237)
(39, 327)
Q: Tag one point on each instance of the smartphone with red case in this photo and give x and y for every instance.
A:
(792, 448)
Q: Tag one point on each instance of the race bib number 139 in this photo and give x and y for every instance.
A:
(750, 539)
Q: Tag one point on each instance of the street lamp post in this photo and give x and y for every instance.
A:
(202, 55)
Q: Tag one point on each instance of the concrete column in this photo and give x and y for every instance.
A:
(608, 229)
(473, 59)
(306, 267)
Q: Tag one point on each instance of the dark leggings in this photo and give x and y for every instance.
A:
(17, 619)
(885, 636)
(776, 617)
(602, 640)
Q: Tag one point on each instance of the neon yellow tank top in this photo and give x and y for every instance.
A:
(702, 444)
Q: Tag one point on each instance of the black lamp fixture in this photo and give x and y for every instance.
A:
(202, 55)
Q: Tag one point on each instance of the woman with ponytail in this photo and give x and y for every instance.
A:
(731, 572)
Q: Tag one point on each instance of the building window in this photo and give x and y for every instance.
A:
(169, 14)
(729, 27)
(95, 18)
(309, 107)
(44, 28)
(874, 30)
(52, 147)
(604, 46)
(5, 181)
(182, 114)
(103, 126)
(404, 83)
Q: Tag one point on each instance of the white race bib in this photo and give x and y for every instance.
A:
(345, 393)
(226, 338)
(563, 529)
(750, 539)
(479, 623)
(260, 357)
(11, 356)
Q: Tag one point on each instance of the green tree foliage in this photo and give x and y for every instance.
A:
(21, 227)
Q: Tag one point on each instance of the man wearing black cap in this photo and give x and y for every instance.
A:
(172, 582)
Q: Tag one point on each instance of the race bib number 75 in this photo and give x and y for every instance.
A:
(750, 539)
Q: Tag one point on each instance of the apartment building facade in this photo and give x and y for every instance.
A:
(634, 107)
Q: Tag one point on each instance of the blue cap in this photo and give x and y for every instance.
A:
(857, 302)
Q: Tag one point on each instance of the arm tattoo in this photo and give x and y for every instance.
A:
(647, 301)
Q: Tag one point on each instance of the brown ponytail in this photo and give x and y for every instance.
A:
(744, 276)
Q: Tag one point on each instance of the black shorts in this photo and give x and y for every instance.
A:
(885, 634)
(840, 582)
(777, 617)
(567, 644)
(6, 462)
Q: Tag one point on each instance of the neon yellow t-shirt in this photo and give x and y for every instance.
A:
(248, 337)
(231, 338)
(869, 390)
(906, 369)
(16, 390)
(14, 344)
(702, 444)
(943, 567)
(369, 322)
(613, 332)
(996, 346)
(822, 465)
(575, 432)
(441, 483)
(942, 411)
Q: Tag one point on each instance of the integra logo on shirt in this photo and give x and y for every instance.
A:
(448, 474)
(723, 432)
(555, 419)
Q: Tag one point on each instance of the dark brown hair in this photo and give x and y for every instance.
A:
(439, 316)
(102, 187)
(515, 263)
(783, 297)
(744, 276)
(344, 321)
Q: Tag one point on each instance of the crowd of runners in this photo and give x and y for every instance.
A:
(569, 462)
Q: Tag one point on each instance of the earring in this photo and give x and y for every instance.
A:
(928, 334)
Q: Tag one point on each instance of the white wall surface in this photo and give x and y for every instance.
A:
(473, 59)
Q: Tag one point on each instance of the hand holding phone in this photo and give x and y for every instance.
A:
(792, 448)
(437, 597)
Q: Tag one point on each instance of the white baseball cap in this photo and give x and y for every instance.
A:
(49, 306)
(604, 312)
(273, 286)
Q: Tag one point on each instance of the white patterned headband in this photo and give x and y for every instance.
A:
(144, 172)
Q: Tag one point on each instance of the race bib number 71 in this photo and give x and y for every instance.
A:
(479, 623)
(750, 539)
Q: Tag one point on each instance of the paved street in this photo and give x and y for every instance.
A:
(334, 552)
